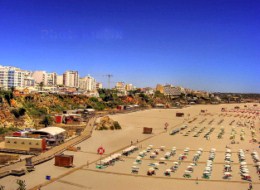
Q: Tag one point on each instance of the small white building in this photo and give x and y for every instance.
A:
(53, 135)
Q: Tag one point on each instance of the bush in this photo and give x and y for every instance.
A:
(22, 111)
(16, 113)
(47, 120)
(117, 125)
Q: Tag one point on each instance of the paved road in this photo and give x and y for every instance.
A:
(86, 133)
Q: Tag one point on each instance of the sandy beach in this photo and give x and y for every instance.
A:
(119, 176)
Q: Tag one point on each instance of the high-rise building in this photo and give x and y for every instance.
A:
(52, 79)
(40, 76)
(99, 85)
(87, 83)
(60, 80)
(28, 79)
(160, 88)
(11, 77)
(129, 87)
(71, 79)
(120, 86)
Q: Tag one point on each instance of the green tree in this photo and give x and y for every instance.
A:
(16, 113)
(47, 120)
(21, 111)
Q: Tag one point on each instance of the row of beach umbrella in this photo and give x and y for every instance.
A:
(244, 171)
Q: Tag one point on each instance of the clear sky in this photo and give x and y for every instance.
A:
(209, 45)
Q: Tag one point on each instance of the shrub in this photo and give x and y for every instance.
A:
(21, 111)
(117, 125)
(16, 113)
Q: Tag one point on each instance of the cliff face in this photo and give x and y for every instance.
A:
(26, 110)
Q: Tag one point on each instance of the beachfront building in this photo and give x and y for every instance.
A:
(52, 79)
(28, 79)
(53, 135)
(148, 90)
(71, 79)
(99, 85)
(160, 88)
(11, 77)
(171, 91)
(59, 81)
(129, 87)
(23, 143)
(120, 87)
(87, 83)
(40, 77)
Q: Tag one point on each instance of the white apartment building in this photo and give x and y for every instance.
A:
(40, 76)
(71, 79)
(52, 79)
(87, 83)
(59, 79)
(129, 87)
(11, 77)
(28, 79)
(120, 86)
(99, 85)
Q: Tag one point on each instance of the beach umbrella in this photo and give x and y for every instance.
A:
(151, 169)
(168, 170)
(162, 159)
(135, 167)
(135, 163)
(227, 173)
(243, 163)
(175, 163)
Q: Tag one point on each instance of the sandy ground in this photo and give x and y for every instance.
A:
(119, 176)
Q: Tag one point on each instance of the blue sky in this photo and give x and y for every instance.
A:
(200, 44)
